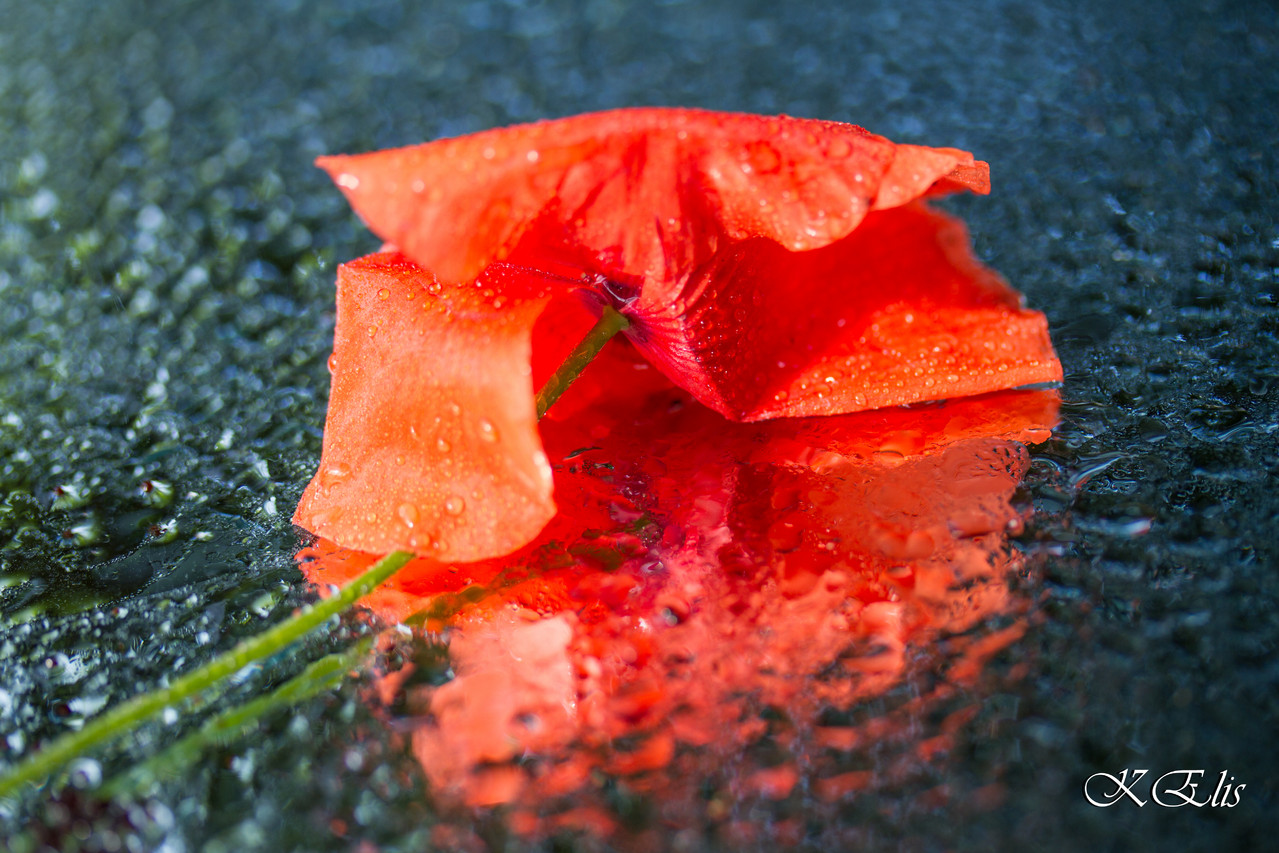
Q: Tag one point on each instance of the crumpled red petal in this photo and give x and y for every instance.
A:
(897, 312)
(431, 443)
(645, 193)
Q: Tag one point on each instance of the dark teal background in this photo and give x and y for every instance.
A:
(166, 262)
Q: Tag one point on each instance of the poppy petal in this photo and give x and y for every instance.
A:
(898, 312)
(431, 442)
(649, 193)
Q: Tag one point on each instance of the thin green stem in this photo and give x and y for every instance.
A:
(608, 325)
(234, 723)
(131, 714)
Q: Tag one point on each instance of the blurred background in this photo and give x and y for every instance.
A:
(167, 254)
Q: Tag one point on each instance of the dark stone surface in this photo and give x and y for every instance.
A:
(166, 257)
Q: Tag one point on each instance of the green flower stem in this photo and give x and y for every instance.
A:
(129, 715)
(608, 325)
(234, 723)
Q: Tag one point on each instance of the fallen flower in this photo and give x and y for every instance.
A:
(769, 266)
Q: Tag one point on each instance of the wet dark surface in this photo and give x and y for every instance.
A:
(166, 263)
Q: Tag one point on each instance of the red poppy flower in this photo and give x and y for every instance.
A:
(770, 266)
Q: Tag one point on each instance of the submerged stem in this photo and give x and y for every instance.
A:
(609, 324)
(128, 716)
(233, 723)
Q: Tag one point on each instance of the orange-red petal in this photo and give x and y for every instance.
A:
(897, 312)
(431, 442)
(645, 193)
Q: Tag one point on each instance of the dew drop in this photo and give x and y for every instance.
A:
(488, 432)
(333, 363)
(407, 513)
(454, 505)
(891, 458)
(763, 157)
(348, 181)
(384, 293)
(443, 446)
(85, 773)
(338, 471)
(785, 535)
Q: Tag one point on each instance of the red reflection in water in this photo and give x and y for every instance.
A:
(698, 641)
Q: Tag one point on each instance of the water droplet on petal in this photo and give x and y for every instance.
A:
(333, 363)
(407, 513)
(763, 157)
(454, 505)
(348, 181)
(488, 432)
(384, 293)
(443, 446)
